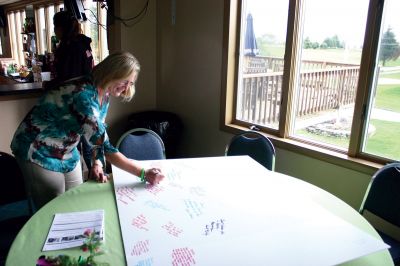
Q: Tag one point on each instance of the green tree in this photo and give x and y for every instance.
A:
(328, 43)
(390, 49)
(333, 42)
(307, 44)
(315, 45)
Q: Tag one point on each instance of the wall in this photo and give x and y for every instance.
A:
(140, 40)
(189, 84)
(13, 110)
(189, 72)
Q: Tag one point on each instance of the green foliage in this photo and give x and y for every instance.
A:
(91, 243)
(315, 45)
(390, 49)
(307, 44)
(333, 42)
(330, 42)
(12, 68)
(323, 46)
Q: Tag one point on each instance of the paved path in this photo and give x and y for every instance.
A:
(388, 81)
(378, 114)
(385, 115)
(389, 69)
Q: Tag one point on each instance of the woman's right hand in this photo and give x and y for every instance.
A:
(154, 176)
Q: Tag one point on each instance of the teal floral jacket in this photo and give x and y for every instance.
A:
(50, 133)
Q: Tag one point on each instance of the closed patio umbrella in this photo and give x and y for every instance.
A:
(250, 42)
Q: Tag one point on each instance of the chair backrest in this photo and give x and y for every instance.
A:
(14, 200)
(15, 207)
(141, 144)
(12, 188)
(383, 194)
(255, 145)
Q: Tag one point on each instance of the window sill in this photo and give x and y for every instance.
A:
(336, 158)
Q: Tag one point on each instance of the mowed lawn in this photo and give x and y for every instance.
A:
(382, 141)
(388, 97)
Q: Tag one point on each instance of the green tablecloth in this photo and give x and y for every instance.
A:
(88, 196)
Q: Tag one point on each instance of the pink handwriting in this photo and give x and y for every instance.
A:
(125, 195)
(154, 189)
(183, 257)
(140, 247)
(139, 222)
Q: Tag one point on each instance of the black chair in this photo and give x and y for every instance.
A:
(15, 207)
(141, 144)
(167, 125)
(382, 199)
(255, 145)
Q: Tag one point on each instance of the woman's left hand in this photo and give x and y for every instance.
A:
(154, 176)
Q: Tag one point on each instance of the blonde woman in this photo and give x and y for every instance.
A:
(45, 143)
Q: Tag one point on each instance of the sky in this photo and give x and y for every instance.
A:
(324, 18)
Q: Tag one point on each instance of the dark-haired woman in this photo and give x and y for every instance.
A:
(73, 56)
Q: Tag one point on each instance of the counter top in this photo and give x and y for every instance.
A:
(20, 88)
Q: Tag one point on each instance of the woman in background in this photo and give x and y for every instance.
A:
(45, 143)
(73, 56)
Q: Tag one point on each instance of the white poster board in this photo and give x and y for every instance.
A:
(231, 211)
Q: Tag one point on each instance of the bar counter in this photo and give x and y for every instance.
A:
(11, 86)
(20, 88)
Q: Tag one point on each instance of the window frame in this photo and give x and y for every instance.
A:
(353, 158)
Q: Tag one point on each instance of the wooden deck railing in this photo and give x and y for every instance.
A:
(264, 64)
(321, 89)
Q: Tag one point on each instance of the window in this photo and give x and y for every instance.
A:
(42, 30)
(383, 119)
(330, 56)
(261, 61)
(16, 38)
(316, 74)
(94, 28)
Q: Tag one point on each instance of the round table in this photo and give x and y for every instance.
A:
(28, 244)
